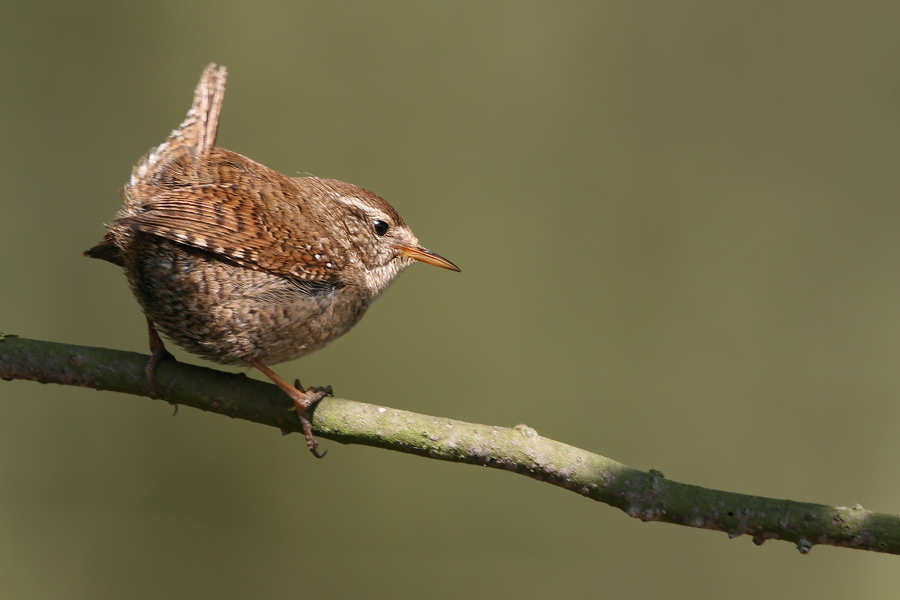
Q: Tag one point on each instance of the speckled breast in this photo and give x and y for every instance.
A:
(229, 313)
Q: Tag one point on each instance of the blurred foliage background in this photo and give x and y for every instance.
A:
(677, 229)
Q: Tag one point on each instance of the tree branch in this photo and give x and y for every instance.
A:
(644, 495)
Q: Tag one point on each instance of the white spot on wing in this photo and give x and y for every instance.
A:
(155, 156)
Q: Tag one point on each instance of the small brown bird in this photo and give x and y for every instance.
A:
(240, 264)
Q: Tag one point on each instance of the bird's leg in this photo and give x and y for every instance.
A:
(158, 352)
(303, 401)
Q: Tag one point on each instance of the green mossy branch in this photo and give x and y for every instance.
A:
(648, 496)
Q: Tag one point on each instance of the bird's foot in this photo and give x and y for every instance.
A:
(310, 396)
(304, 400)
(324, 391)
(158, 352)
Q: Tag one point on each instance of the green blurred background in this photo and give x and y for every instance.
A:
(677, 229)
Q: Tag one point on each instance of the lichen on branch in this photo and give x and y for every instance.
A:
(647, 496)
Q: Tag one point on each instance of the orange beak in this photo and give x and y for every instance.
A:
(427, 256)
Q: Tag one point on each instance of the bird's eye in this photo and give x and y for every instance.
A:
(380, 227)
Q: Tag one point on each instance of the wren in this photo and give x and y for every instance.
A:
(240, 264)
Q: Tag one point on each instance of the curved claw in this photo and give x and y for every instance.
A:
(303, 401)
(306, 422)
(321, 391)
(312, 395)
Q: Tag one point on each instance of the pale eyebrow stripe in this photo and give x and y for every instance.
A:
(355, 202)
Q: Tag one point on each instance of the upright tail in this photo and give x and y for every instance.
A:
(185, 152)
(198, 131)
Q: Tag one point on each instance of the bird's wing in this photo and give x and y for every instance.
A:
(232, 222)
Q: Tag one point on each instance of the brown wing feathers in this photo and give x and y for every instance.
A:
(175, 193)
(228, 221)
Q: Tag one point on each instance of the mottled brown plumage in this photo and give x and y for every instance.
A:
(240, 264)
